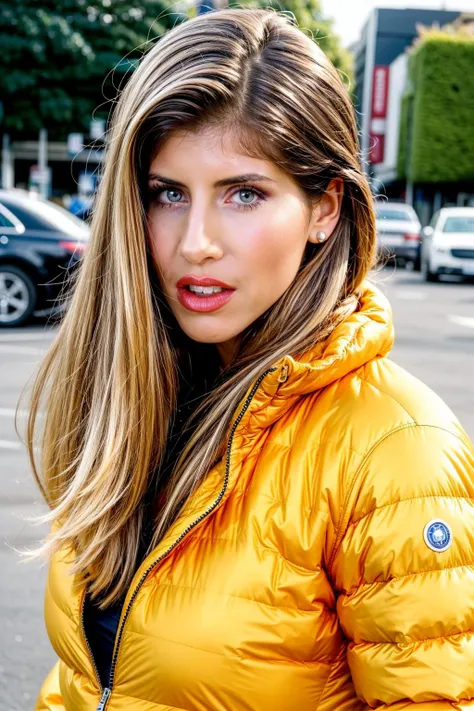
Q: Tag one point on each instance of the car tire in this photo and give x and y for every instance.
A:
(428, 275)
(20, 311)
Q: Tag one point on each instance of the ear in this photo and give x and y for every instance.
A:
(326, 212)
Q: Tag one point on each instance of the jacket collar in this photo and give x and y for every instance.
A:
(364, 335)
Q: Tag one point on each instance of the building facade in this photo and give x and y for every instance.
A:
(380, 79)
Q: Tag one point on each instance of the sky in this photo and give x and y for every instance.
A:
(350, 15)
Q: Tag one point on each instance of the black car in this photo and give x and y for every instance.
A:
(40, 245)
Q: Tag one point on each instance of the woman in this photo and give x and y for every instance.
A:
(307, 542)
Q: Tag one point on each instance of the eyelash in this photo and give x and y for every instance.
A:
(154, 192)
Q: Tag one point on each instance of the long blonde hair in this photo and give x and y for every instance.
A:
(110, 379)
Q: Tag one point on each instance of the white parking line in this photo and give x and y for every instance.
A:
(5, 444)
(466, 321)
(411, 295)
(10, 412)
(21, 350)
(9, 337)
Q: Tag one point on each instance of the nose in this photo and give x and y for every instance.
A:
(197, 243)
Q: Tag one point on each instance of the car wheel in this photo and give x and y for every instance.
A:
(428, 275)
(18, 296)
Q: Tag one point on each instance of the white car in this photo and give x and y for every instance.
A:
(448, 243)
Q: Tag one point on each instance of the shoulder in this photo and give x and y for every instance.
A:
(409, 433)
(379, 411)
(382, 398)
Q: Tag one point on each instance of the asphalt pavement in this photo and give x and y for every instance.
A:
(434, 325)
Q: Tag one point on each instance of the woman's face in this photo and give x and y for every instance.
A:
(233, 219)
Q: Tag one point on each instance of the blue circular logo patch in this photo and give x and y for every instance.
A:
(437, 535)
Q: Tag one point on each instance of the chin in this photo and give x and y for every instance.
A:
(203, 335)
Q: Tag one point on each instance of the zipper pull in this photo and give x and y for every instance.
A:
(283, 377)
(103, 699)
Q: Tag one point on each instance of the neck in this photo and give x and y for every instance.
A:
(226, 352)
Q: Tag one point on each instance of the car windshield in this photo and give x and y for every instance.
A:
(55, 215)
(387, 213)
(459, 223)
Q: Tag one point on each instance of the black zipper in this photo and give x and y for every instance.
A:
(107, 690)
(96, 671)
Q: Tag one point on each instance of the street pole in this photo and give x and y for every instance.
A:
(43, 161)
(7, 163)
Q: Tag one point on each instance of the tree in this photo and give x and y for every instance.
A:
(62, 60)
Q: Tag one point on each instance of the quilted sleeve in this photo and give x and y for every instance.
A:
(403, 569)
(49, 698)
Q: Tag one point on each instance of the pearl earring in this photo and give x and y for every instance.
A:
(321, 236)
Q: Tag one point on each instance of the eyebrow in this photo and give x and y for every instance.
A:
(247, 177)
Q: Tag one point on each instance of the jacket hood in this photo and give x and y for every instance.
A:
(366, 334)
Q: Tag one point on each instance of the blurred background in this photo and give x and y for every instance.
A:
(409, 67)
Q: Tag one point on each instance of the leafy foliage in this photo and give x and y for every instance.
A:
(439, 133)
(63, 59)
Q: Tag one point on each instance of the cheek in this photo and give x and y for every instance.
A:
(276, 248)
(161, 249)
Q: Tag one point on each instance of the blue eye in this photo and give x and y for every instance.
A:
(170, 192)
(251, 194)
(246, 192)
(173, 196)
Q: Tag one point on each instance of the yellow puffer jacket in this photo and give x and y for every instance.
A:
(306, 573)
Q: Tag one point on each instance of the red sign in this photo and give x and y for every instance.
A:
(380, 92)
(378, 113)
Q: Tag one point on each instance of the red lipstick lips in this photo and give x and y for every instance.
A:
(197, 300)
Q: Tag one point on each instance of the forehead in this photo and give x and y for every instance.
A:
(211, 151)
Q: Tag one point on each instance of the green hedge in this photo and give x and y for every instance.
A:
(440, 132)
